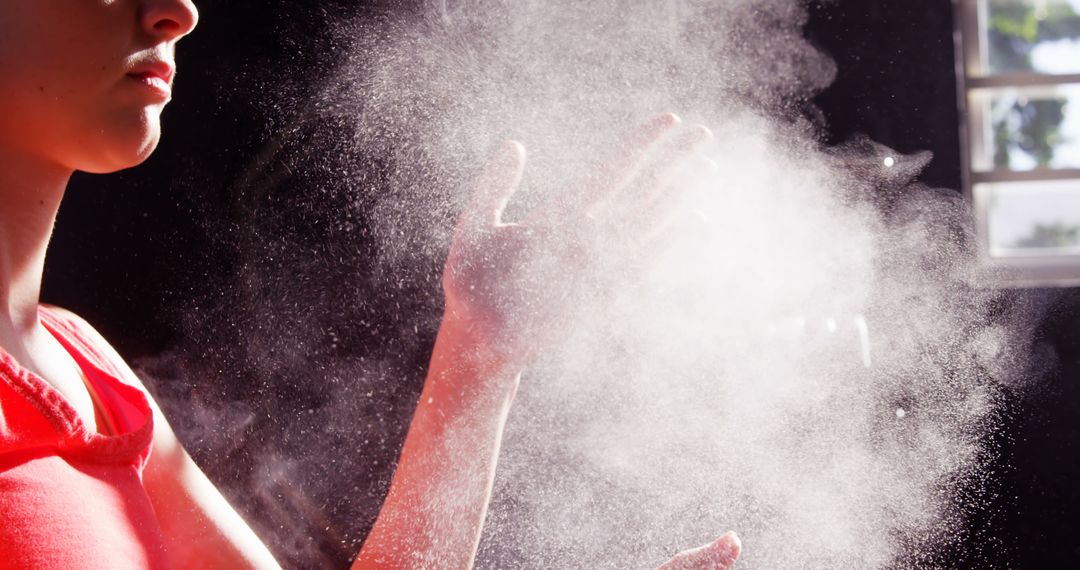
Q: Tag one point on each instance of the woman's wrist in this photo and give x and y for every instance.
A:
(469, 359)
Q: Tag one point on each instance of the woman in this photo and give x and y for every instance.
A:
(91, 475)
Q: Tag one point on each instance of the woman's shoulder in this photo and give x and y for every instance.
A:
(53, 314)
(89, 339)
(78, 331)
(66, 316)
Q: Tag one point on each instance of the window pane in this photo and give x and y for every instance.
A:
(1040, 36)
(1032, 218)
(1028, 128)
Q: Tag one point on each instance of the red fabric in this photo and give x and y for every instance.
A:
(70, 498)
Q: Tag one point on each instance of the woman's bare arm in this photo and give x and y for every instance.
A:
(436, 505)
(201, 529)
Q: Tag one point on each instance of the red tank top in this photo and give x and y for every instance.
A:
(70, 498)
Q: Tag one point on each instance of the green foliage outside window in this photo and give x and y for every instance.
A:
(1033, 127)
(1016, 27)
(1052, 235)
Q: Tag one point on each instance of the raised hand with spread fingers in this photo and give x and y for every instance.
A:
(513, 283)
(509, 288)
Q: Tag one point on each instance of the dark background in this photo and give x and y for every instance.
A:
(188, 261)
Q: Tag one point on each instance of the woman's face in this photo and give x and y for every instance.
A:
(83, 82)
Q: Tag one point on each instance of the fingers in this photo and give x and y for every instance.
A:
(670, 161)
(496, 185)
(657, 213)
(720, 555)
(627, 160)
(657, 189)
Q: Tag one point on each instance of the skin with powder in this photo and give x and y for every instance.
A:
(83, 84)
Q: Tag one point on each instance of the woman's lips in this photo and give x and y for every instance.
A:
(156, 76)
(154, 83)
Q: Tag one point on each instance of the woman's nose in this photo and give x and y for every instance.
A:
(168, 20)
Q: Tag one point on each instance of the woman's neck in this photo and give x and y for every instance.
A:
(30, 193)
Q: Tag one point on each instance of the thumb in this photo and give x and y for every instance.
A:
(720, 555)
(496, 185)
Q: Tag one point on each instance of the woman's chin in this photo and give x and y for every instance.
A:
(121, 155)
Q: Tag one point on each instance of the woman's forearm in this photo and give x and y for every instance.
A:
(437, 501)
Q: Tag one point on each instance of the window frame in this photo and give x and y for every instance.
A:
(972, 76)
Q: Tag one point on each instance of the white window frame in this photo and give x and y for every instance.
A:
(973, 75)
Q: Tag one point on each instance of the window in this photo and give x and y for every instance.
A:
(1020, 92)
